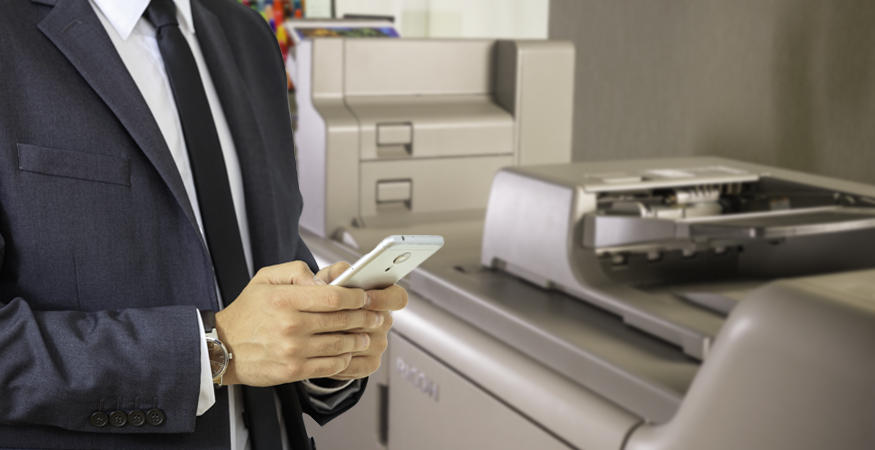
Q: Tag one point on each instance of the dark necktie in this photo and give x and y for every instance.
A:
(216, 204)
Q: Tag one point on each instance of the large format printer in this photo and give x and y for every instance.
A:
(696, 303)
(407, 131)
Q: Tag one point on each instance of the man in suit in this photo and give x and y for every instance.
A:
(117, 237)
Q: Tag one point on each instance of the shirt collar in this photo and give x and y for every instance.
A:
(123, 15)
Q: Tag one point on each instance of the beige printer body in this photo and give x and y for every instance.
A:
(673, 304)
(763, 275)
(401, 131)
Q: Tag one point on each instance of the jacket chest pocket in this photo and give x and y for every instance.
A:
(74, 164)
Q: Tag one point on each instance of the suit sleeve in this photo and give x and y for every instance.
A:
(58, 368)
(339, 403)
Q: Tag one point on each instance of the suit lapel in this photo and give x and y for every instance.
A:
(77, 32)
(258, 186)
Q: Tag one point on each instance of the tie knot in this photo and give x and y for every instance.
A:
(161, 13)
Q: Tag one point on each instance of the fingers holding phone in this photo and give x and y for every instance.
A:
(328, 274)
(286, 326)
(367, 361)
(392, 298)
(377, 272)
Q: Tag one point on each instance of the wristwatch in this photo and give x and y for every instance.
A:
(220, 358)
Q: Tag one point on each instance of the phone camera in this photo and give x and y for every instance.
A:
(401, 258)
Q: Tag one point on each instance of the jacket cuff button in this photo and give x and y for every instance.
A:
(118, 419)
(99, 419)
(137, 418)
(155, 417)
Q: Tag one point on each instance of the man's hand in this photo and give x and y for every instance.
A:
(393, 298)
(287, 325)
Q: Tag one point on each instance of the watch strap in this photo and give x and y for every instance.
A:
(208, 317)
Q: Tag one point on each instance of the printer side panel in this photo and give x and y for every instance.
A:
(431, 407)
(535, 83)
(327, 138)
(310, 146)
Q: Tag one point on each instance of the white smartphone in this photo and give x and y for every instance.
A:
(390, 261)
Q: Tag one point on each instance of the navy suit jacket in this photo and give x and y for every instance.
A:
(102, 264)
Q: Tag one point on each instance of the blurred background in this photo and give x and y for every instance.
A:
(779, 82)
(783, 82)
(519, 19)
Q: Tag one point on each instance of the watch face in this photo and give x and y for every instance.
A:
(218, 360)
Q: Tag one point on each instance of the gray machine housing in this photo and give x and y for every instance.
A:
(644, 239)
(384, 123)
(659, 304)
(791, 369)
(493, 357)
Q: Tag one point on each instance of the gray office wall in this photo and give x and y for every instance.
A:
(781, 82)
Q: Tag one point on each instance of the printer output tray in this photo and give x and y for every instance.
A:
(774, 225)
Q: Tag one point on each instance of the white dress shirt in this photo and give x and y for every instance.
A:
(134, 39)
